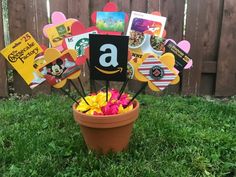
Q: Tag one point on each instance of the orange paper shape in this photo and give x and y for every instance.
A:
(158, 72)
(60, 67)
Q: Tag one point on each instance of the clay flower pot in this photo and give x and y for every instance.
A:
(104, 134)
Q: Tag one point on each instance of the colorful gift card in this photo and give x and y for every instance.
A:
(146, 23)
(79, 40)
(59, 67)
(109, 7)
(23, 54)
(59, 29)
(181, 57)
(108, 58)
(111, 21)
(145, 32)
(157, 73)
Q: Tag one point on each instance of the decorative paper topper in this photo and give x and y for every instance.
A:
(109, 7)
(59, 67)
(158, 72)
(180, 51)
(145, 33)
(79, 40)
(111, 21)
(58, 29)
(22, 55)
(108, 58)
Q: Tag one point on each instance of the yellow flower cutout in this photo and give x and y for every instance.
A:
(96, 102)
(157, 71)
(121, 109)
(59, 67)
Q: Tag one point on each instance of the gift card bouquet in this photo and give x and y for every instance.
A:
(144, 54)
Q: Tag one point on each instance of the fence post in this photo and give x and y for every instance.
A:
(203, 31)
(27, 16)
(226, 72)
(3, 66)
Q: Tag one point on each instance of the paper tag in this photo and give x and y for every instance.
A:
(23, 54)
(60, 67)
(111, 21)
(181, 58)
(108, 58)
(156, 72)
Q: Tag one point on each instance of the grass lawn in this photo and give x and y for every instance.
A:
(173, 136)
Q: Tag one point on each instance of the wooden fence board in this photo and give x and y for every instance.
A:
(203, 32)
(35, 24)
(31, 16)
(17, 27)
(174, 11)
(226, 75)
(3, 66)
(79, 9)
(59, 5)
(212, 39)
(140, 6)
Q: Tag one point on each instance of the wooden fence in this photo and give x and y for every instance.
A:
(210, 27)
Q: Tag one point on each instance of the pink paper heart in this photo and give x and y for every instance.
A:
(185, 46)
(57, 18)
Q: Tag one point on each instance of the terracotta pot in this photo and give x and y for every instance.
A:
(105, 134)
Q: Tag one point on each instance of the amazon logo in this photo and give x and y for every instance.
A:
(108, 57)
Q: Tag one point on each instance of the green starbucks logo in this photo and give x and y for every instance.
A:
(81, 45)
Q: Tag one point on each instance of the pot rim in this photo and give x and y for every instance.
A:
(135, 103)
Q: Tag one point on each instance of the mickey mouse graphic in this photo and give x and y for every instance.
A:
(56, 69)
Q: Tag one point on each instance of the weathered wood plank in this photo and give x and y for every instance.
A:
(140, 6)
(174, 11)
(17, 27)
(79, 9)
(153, 5)
(3, 66)
(31, 16)
(209, 67)
(202, 31)
(59, 5)
(226, 72)
(35, 24)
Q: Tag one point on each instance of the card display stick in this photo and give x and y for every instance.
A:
(144, 85)
(68, 94)
(81, 85)
(73, 84)
(91, 82)
(107, 87)
(123, 87)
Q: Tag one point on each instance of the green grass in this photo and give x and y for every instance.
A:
(173, 136)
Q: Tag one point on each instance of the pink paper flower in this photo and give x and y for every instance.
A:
(110, 108)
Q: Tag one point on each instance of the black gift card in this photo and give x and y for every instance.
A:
(181, 58)
(108, 57)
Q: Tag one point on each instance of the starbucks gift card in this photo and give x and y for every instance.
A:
(79, 42)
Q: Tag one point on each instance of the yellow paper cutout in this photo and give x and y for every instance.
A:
(21, 55)
(57, 74)
(142, 72)
(57, 33)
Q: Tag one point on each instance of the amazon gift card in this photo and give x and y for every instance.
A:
(108, 57)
